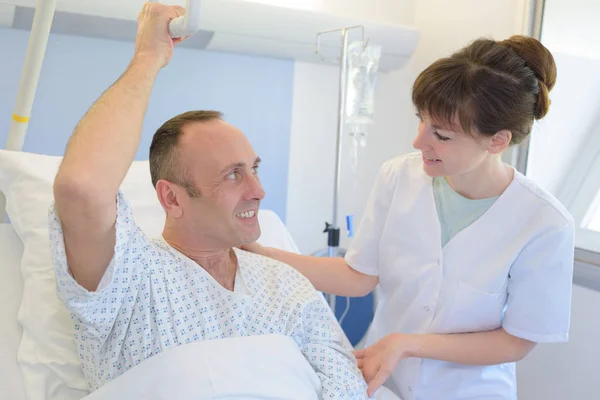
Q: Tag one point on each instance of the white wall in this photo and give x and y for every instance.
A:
(312, 146)
(445, 27)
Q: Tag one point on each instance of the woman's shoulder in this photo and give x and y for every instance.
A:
(402, 161)
(399, 173)
(541, 201)
(402, 165)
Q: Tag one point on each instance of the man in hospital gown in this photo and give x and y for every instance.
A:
(131, 296)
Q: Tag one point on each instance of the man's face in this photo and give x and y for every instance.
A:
(220, 162)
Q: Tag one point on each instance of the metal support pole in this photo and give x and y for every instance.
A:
(340, 129)
(36, 49)
(333, 230)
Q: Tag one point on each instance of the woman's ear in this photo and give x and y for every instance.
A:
(500, 141)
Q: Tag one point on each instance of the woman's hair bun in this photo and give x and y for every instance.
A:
(540, 60)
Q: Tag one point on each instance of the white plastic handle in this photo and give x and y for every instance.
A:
(189, 23)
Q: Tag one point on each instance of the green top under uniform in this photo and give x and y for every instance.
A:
(455, 211)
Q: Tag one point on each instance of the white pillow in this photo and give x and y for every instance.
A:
(11, 292)
(47, 354)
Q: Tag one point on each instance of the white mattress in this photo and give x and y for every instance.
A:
(11, 290)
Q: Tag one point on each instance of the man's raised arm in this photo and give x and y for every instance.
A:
(103, 147)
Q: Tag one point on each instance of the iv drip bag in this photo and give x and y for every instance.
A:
(363, 64)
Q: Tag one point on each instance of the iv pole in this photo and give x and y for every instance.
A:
(333, 230)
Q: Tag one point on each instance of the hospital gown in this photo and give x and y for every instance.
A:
(153, 298)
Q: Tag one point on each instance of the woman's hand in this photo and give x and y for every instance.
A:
(377, 362)
(256, 248)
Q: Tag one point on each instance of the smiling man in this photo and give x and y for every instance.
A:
(132, 296)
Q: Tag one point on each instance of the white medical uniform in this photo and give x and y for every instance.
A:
(511, 268)
(153, 298)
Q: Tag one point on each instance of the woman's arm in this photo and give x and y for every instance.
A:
(480, 348)
(327, 274)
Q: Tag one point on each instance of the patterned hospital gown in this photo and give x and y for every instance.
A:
(153, 298)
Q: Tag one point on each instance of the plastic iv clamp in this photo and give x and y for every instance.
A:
(350, 225)
(363, 64)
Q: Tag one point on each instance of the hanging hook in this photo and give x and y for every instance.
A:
(318, 43)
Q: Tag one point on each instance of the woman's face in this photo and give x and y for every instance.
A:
(449, 152)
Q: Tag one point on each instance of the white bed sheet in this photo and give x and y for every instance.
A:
(11, 291)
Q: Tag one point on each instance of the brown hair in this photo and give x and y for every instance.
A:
(165, 159)
(489, 86)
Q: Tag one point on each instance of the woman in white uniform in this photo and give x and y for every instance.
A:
(473, 260)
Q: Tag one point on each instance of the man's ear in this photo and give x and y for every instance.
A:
(500, 141)
(169, 197)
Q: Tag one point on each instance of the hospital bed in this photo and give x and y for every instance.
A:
(38, 358)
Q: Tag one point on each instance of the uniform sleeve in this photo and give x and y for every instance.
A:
(363, 252)
(539, 288)
(328, 351)
(98, 310)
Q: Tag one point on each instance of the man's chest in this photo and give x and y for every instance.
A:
(184, 308)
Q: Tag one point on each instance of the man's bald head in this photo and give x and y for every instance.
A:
(166, 162)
